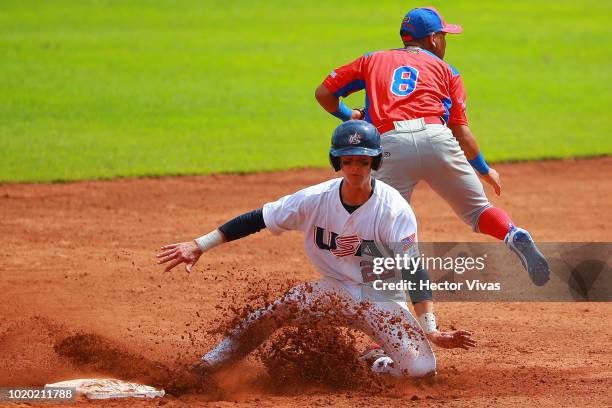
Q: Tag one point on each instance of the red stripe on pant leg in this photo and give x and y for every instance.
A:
(494, 222)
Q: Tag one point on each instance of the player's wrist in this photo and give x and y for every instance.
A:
(343, 112)
(434, 337)
(479, 164)
(428, 323)
(209, 241)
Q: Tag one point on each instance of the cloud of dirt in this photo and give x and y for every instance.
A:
(317, 356)
(39, 351)
(27, 352)
(94, 353)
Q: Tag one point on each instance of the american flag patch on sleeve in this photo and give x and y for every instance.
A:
(408, 241)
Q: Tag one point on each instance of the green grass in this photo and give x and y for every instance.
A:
(96, 89)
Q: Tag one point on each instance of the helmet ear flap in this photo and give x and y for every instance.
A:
(335, 162)
(377, 162)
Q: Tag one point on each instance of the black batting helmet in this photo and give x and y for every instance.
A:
(355, 138)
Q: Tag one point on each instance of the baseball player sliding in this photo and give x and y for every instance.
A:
(347, 222)
(417, 102)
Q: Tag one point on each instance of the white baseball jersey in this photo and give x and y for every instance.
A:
(339, 244)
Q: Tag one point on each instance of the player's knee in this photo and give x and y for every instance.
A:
(422, 366)
(472, 217)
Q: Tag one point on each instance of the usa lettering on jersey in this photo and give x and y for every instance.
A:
(339, 244)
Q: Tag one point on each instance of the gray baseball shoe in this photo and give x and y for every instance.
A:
(520, 242)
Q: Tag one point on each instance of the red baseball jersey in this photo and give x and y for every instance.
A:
(402, 84)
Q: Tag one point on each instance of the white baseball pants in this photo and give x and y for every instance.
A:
(329, 301)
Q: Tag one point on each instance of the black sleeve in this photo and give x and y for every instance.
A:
(420, 275)
(243, 225)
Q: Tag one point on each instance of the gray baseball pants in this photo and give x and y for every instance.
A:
(415, 151)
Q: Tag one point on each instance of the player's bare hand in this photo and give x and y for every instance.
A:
(175, 254)
(493, 179)
(358, 114)
(453, 339)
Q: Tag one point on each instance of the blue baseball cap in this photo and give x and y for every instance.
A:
(420, 22)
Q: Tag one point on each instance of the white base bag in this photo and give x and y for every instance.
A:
(104, 388)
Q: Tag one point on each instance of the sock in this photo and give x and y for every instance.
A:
(494, 222)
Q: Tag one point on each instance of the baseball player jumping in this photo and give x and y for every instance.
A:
(347, 223)
(417, 102)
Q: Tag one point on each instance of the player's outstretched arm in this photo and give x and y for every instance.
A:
(189, 252)
(469, 145)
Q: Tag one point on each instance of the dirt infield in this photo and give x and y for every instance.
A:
(81, 295)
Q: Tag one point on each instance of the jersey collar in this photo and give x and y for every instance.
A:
(352, 208)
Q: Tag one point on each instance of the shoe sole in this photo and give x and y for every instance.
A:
(532, 260)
